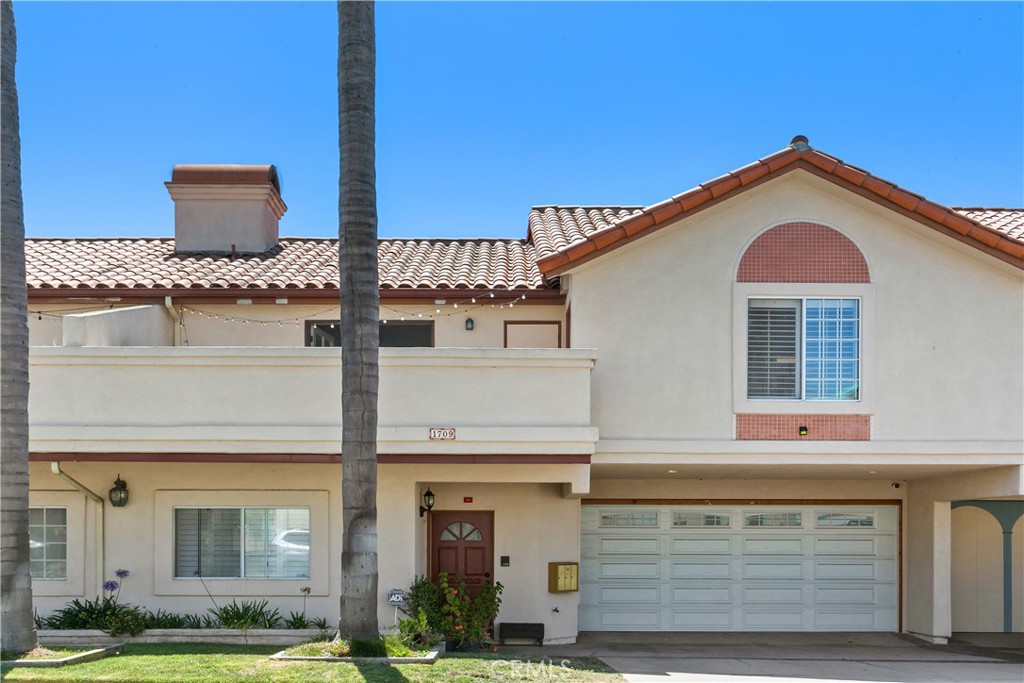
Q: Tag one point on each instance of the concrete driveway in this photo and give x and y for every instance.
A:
(795, 657)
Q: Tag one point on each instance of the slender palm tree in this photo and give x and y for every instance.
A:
(17, 626)
(357, 235)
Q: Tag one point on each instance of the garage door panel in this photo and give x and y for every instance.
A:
(703, 594)
(793, 595)
(630, 546)
(753, 569)
(703, 620)
(775, 620)
(621, 620)
(852, 620)
(832, 545)
(867, 571)
(629, 570)
(631, 595)
(830, 568)
(866, 595)
(701, 546)
(773, 546)
(701, 570)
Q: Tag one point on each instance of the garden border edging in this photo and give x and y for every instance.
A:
(227, 636)
(80, 658)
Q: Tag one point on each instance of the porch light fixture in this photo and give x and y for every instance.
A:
(428, 502)
(469, 324)
(119, 494)
(803, 431)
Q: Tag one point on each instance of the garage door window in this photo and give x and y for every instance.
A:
(690, 519)
(773, 520)
(846, 519)
(639, 518)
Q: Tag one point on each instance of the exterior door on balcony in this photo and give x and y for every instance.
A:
(462, 544)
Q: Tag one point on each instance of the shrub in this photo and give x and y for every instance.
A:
(414, 630)
(297, 620)
(126, 622)
(465, 618)
(246, 615)
(162, 619)
(424, 596)
(105, 614)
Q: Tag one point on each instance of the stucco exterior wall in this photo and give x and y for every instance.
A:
(534, 525)
(935, 316)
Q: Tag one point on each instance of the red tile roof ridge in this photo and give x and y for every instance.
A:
(1004, 244)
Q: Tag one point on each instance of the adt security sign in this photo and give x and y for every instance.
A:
(396, 597)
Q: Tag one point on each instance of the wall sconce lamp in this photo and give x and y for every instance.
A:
(428, 502)
(469, 324)
(802, 430)
(119, 494)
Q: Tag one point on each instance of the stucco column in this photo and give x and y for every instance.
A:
(928, 580)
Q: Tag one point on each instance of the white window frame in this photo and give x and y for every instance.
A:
(801, 347)
(73, 585)
(320, 547)
(744, 291)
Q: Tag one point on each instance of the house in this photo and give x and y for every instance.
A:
(791, 398)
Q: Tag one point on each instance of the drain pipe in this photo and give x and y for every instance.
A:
(55, 468)
(177, 319)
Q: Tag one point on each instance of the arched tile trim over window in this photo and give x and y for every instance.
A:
(803, 252)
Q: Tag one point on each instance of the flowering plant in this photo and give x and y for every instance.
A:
(466, 618)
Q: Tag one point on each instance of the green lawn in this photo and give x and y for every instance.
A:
(202, 663)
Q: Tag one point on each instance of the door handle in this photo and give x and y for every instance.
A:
(487, 575)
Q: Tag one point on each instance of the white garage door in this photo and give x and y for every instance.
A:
(750, 568)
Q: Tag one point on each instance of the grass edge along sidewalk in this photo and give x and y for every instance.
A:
(216, 663)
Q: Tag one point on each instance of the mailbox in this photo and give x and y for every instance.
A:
(563, 577)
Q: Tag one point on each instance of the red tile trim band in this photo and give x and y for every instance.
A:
(777, 427)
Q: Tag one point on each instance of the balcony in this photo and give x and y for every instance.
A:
(288, 400)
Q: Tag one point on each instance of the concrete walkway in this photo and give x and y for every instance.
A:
(794, 657)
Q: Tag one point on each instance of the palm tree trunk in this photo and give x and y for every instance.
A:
(17, 626)
(357, 209)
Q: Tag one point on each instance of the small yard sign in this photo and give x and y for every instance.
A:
(442, 434)
(396, 597)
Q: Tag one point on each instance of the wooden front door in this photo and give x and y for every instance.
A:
(462, 544)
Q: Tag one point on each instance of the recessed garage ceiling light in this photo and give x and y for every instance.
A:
(673, 471)
(872, 471)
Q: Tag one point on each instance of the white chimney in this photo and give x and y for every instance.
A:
(225, 208)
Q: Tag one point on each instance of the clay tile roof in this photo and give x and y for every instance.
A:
(1007, 221)
(554, 228)
(152, 263)
(564, 239)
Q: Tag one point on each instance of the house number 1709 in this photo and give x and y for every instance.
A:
(442, 434)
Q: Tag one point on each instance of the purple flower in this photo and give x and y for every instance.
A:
(110, 586)
(122, 573)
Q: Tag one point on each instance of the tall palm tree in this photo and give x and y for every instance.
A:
(357, 233)
(17, 626)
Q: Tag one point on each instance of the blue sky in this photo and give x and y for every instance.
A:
(485, 109)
